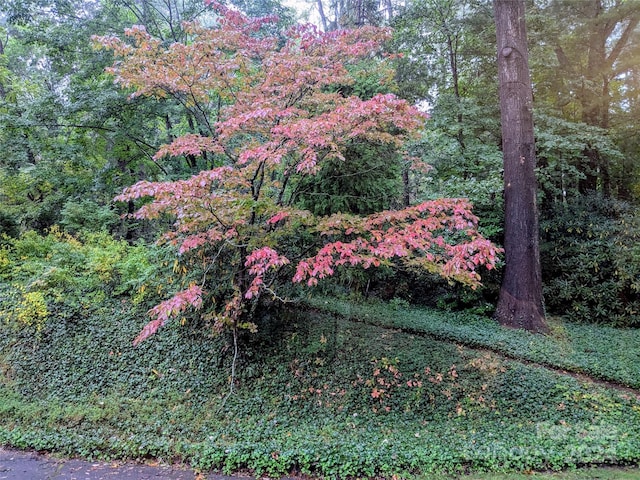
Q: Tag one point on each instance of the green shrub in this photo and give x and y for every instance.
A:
(21, 309)
(87, 215)
(590, 254)
(32, 245)
(68, 274)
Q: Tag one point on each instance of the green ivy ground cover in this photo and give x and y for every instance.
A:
(606, 353)
(315, 394)
(604, 473)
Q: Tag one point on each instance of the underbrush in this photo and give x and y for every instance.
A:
(63, 277)
(315, 394)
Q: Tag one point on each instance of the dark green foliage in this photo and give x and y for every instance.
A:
(86, 215)
(366, 181)
(420, 288)
(369, 179)
(92, 360)
(591, 260)
(8, 224)
(562, 149)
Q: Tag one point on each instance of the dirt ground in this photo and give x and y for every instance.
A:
(17, 465)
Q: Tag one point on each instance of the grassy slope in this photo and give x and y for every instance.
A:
(319, 394)
(606, 353)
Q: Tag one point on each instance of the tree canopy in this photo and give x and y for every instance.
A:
(346, 145)
(273, 118)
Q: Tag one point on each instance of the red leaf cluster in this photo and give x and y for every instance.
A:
(191, 297)
(259, 262)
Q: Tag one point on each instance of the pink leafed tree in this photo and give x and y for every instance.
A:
(273, 116)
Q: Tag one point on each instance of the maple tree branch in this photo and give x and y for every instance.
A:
(233, 365)
(199, 114)
(236, 245)
(224, 225)
(142, 18)
(255, 188)
(168, 19)
(211, 264)
(218, 108)
(277, 297)
(297, 98)
(202, 113)
(230, 89)
(228, 154)
(282, 190)
(150, 157)
(271, 291)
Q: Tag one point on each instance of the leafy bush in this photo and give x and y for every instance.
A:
(590, 258)
(58, 276)
(87, 215)
(21, 309)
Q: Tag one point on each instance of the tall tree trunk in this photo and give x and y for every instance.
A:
(323, 17)
(520, 304)
(452, 49)
(3, 90)
(590, 95)
(389, 8)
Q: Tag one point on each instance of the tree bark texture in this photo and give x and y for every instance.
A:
(323, 18)
(520, 304)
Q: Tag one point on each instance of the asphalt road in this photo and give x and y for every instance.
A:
(17, 465)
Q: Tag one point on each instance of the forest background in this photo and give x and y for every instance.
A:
(78, 267)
